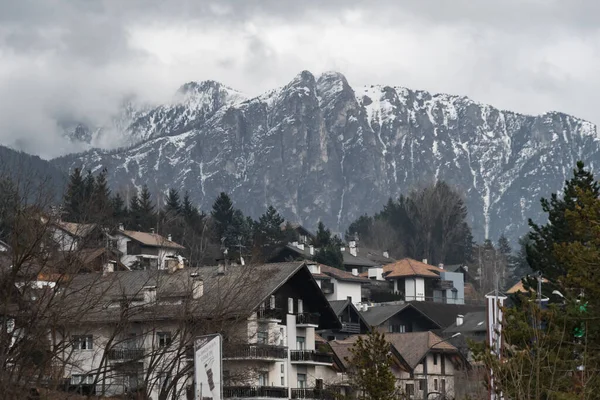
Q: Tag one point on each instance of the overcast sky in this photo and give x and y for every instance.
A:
(78, 58)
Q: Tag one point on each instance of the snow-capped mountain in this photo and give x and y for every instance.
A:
(318, 149)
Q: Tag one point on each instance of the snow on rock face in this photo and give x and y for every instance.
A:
(318, 149)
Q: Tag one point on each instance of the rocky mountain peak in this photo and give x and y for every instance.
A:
(320, 149)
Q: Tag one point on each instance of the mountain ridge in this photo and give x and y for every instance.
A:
(364, 144)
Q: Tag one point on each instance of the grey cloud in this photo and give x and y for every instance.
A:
(76, 59)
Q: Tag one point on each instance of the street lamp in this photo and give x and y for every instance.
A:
(426, 391)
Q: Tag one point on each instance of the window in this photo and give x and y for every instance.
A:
(282, 381)
(262, 337)
(300, 306)
(164, 339)
(290, 305)
(397, 328)
(282, 368)
(410, 389)
(263, 379)
(443, 360)
(319, 384)
(301, 381)
(272, 302)
(435, 385)
(443, 386)
(281, 336)
(82, 379)
(422, 384)
(300, 343)
(83, 342)
(435, 359)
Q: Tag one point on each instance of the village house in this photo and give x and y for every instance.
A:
(424, 363)
(337, 284)
(352, 321)
(135, 329)
(146, 250)
(414, 280)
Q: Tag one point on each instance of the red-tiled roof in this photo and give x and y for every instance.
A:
(410, 267)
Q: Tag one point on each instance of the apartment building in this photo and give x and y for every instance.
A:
(135, 330)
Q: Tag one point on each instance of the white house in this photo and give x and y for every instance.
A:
(337, 284)
(144, 250)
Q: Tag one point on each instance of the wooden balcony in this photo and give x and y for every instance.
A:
(350, 327)
(245, 392)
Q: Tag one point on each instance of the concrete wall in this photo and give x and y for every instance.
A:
(458, 281)
(343, 290)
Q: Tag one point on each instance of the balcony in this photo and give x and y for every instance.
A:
(350, 327)
(269, 314)
(255, 352)
(125, 354)
(305, 320)
(310, 357)
(245, 392)
(327, 287)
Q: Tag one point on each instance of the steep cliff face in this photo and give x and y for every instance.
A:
(317, 149)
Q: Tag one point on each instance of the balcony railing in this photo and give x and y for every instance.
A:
(351, 327)
(327, 287)
(307, 319)
(125, 354)
(310, 356)
(269, 313)
(244, 392)
(255, 351)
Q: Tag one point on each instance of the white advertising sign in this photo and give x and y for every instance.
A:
(208, 367)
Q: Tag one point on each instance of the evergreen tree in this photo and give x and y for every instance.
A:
(134, 220)
(9, 208)
(89, 183)
(147, 210)
(331, 253)
(74, 199)
(172, 203)
(543, 238)
(370, 367)
(322, 237)
(101, 203)
(222, 215)
(119, 209)
(268, 232)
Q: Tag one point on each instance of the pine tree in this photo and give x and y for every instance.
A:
(172, 203)
(268, 232)
(222, 215)
(370, 367)
(101, 203)
(134, 220)
(543, 238)
(147, 210)
(323, 236)
(328, 250)
(74, 199)
(119, 209)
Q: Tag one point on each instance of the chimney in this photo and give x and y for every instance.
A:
(108, 268)
(466, 268)
(121, 226)
(459, 319)
(355, 271)
(170, 238)
(386, 254)
(353, 248)
(197, 286)
(149, 294)
(221, 270)
(311, 250)
(301, 246)
(441, 265)
(152, 230)
(424, 261)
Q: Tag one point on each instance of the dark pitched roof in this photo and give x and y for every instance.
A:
(377, 315)
(472, 322)
(410, 347)
(338, 305)
(340, 275)
(359, 260)
(444, 314)
(151, 239)
(414, 346)
(375, 255)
